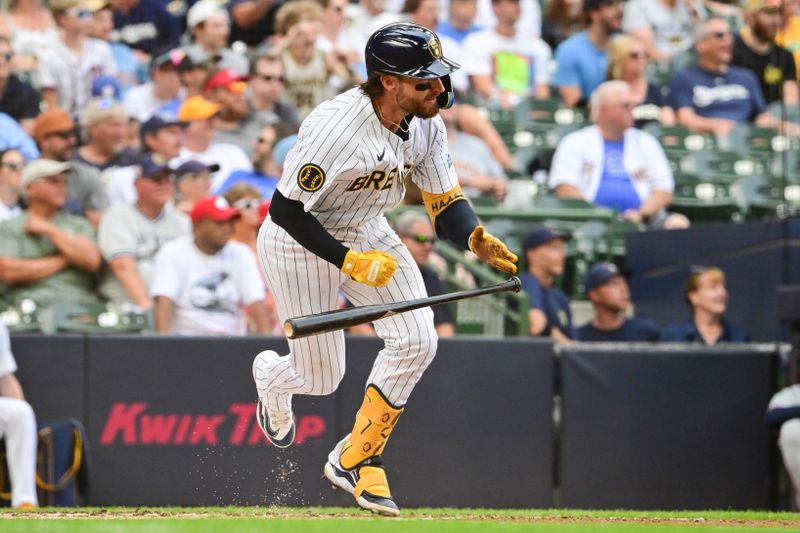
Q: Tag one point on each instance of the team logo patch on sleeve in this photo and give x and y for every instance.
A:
(310, 177)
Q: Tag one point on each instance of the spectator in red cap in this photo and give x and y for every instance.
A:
(237, 123)
(203, 282)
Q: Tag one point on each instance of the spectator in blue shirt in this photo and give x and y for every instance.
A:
(460, 20)
(608, 291)
(713, 96)
(13, 136)
(146, 26)
(549, 314)
(582, 59)
(708, 298)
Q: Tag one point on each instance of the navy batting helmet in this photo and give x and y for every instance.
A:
(408, 49)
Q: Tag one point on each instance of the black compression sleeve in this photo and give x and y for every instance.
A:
(306, 229)
(456, 223)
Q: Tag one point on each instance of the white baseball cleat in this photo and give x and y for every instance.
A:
(274, 411)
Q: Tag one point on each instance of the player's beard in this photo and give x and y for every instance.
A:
(418, 109)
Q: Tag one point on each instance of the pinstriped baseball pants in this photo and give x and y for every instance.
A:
(303, 284)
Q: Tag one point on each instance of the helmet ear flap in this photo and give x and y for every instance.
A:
(447, 98)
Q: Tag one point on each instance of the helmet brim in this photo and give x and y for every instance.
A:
(435, 69)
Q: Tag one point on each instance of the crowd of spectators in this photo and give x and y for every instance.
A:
(119, 119)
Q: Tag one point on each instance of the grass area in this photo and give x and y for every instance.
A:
(346, 520)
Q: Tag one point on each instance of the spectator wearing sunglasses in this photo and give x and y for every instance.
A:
(416, 232)
(708, 299)
(192, 182)
(56, 135)
(11, 164)
(266, 92)
(627, 61)
(47, 254)
(265, 174)
(237, 123)
(17, 98)
(714, 96)
(246, 200)
(68, 70)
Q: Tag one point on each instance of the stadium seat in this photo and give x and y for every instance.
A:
(718, 165)
(70, 317)
(703, 200)
(679, 139)
(769, 196)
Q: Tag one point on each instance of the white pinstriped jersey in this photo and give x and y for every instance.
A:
(346, 168)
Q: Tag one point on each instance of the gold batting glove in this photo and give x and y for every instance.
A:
(492, 251)
(375, 267)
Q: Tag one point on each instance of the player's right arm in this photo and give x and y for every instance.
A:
(374, 267)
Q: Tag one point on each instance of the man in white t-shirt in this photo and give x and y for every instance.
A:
(664, 26)
(17, 429)
(67, 71)
(200, 116)
(505, 64)
(612, 164)
(203, 283)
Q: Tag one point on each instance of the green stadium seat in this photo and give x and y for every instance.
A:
(531, 112)
(703, 200)
(679, 139)
(718, 165)
(768, 196)
(70, 317)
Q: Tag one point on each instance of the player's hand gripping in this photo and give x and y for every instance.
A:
(492, 251)
(375, 267)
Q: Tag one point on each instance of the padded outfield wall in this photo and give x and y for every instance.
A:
(171, 421)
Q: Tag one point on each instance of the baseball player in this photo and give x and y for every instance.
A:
(326, 232)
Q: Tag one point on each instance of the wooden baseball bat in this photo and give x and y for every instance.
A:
(296, 328)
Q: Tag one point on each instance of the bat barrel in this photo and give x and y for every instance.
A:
(303, 326)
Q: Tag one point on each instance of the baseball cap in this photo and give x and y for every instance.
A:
(193, 167)
(171, 59)
(153, 165)
(97, 5)
(107, 87)
(202, 11)
(197, 108)
(42, 168)
(228, 78)
(600, 274)
(158, 121)
(542, 235)
(754, 6)
(52, 121)
(213, 208)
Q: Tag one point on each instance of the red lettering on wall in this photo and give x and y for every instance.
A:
(156, 429)
(245, 413)
(122, 419)
(205, 429)
(129, 424)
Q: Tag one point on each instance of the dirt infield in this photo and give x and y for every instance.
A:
(780, 520)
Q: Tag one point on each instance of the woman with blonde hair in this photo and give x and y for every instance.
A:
(627, 61)
(707, 295)
(31, 29)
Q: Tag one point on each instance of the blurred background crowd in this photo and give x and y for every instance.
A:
(141, 142)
